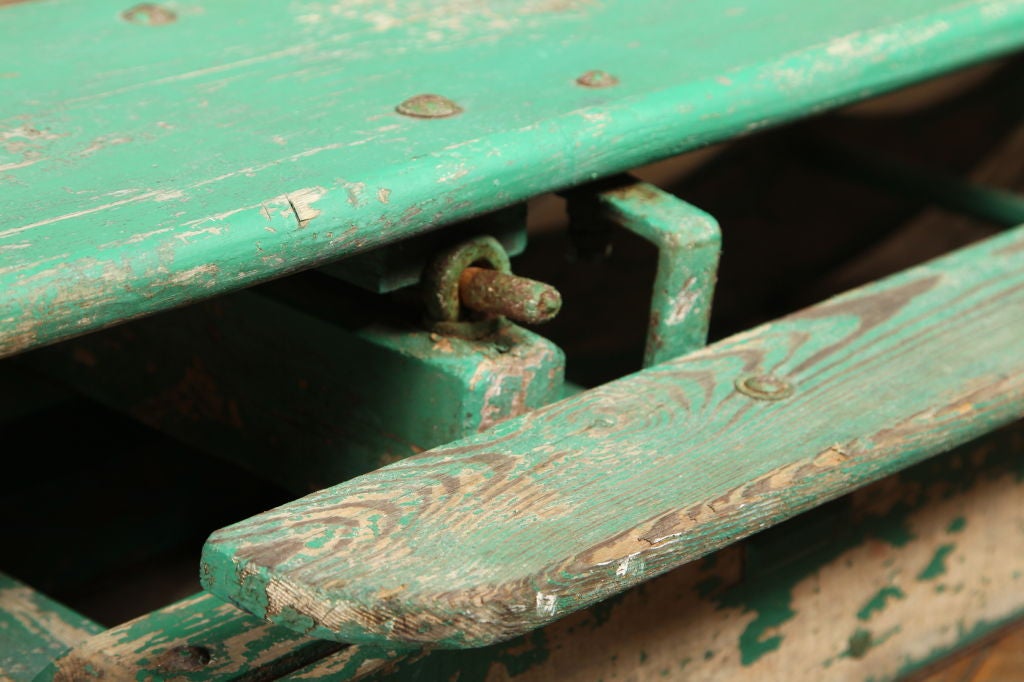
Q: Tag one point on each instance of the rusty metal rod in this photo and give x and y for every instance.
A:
(517, 298)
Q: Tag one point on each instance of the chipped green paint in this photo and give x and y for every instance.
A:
(957, 525)
(34, 630)
(937, 566)
(181, 166)
(877, 602)
(688, 242)
(773, 609)
(845, 528)
(860, 642)
(230, 644)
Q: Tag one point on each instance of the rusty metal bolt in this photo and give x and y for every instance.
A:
(517, 298)
(428, 106)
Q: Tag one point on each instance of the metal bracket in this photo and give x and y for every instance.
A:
(688, 242)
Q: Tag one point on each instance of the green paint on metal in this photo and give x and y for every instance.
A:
(192, 171)
(957, 525)
(937, 565)
(877, 602)
(995, 205)
(351, 386)
(688, 242)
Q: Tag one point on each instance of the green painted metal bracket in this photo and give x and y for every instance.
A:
(1001, 207)
(569, 504)
(34, 630)
(688, 242)
(307, 382)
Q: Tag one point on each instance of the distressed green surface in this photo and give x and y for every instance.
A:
(239, 647)
(306, 384)
(799, 600)
(689, 243)
(34, 630)
(243, 141)
(498, 534)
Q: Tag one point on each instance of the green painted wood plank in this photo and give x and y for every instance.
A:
(501, 533)
(34, 630)
(202, 638)
(232, 142)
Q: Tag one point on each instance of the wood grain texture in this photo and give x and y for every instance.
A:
(226, 644)
(498, 534)
(882, 582)
(211, 146)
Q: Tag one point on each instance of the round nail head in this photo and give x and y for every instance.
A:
(428, 106)
(597, 79)
(149, 14)
(764, 387)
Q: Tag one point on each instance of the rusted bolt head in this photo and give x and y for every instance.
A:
(764, 387)
(597, 79)
(428, 106)
(149, 14)
(186, 658)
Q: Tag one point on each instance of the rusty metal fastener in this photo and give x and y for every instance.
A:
(149, 14)
(517, 298)
(597, 79)
(428, 106)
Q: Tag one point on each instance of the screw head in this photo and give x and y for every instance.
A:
(149, 14)
(597, 79)
(764, 387)
(428, 106)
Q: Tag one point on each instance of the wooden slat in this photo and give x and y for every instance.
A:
(498, 534)
(202, 638)
(875, 585)
(213, 146)
(34, 629)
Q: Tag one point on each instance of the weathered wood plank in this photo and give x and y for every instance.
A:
(34, 629)
(880, 583)
(213, 146)
(498, 534)
(202, 638)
